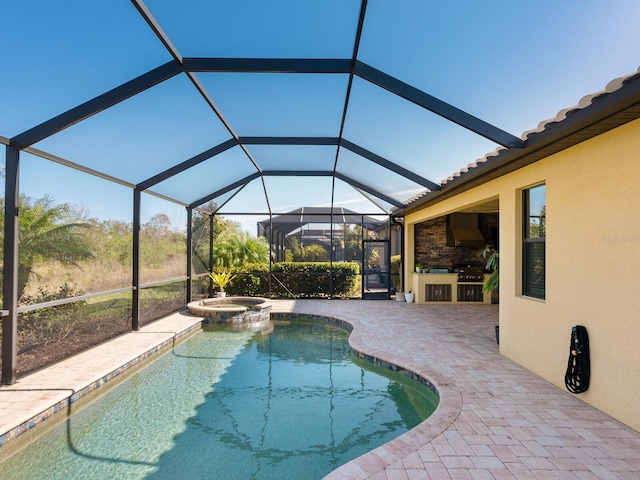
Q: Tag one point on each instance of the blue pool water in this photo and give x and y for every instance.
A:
(228, 405)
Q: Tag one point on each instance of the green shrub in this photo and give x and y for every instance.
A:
(51, 324)
(313, 279)
(251, 280)
(346, 279)
(295, 279)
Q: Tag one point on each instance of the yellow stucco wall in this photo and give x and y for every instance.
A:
(593, 265)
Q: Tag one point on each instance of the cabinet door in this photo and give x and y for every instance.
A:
(470, 293)
(437, 293)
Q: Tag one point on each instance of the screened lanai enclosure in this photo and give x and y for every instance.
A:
(338, 235)
(149, 143)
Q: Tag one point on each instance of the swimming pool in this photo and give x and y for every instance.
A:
(230, 404)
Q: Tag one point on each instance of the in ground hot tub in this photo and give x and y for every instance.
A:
(233, 310)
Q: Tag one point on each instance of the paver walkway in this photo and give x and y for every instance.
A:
(495, 420)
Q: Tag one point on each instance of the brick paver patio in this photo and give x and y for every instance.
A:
(495, 420)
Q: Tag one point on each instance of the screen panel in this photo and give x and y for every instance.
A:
(144, 135)
(285, 29)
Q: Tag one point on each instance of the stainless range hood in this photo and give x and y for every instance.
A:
(463, 231)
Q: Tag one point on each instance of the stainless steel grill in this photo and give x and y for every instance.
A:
(470, 273)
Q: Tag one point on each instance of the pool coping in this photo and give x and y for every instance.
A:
(48, 398)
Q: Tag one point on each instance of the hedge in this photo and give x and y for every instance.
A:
(250, 281)
(296, 279)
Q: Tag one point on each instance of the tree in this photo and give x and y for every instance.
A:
(200, 231)
(307, 253)
(353, 235)
(160, 241)
(114, 240)
(46, 232)
(235, 249)
(231, 246)
(158, 226)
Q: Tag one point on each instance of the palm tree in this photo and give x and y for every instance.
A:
(46, 232)
(236, 249)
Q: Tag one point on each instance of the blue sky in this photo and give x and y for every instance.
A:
(513, 64)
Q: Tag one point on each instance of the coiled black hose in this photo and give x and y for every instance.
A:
(579, 366)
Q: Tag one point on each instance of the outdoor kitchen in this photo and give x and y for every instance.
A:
(448, 265)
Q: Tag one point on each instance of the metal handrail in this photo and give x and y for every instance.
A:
(64, 301)
(165, 282)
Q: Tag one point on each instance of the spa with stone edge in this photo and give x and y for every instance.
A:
(232, 310)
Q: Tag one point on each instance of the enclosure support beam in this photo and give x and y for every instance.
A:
(97, 104)
(437, 106)
(394, 221)
(181, 167)
(331, 249)
(135, 301)
(157, 29)
(267, 65)
(270, 252)
(289, 140)
(362, 272)
(383, 162)
(10, 286)
(211, 225)
(189, 252)
(370, 190)
(228, 188)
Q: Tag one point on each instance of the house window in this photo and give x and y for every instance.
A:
(533, 241)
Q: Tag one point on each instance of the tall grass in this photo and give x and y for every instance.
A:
(98, 275)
